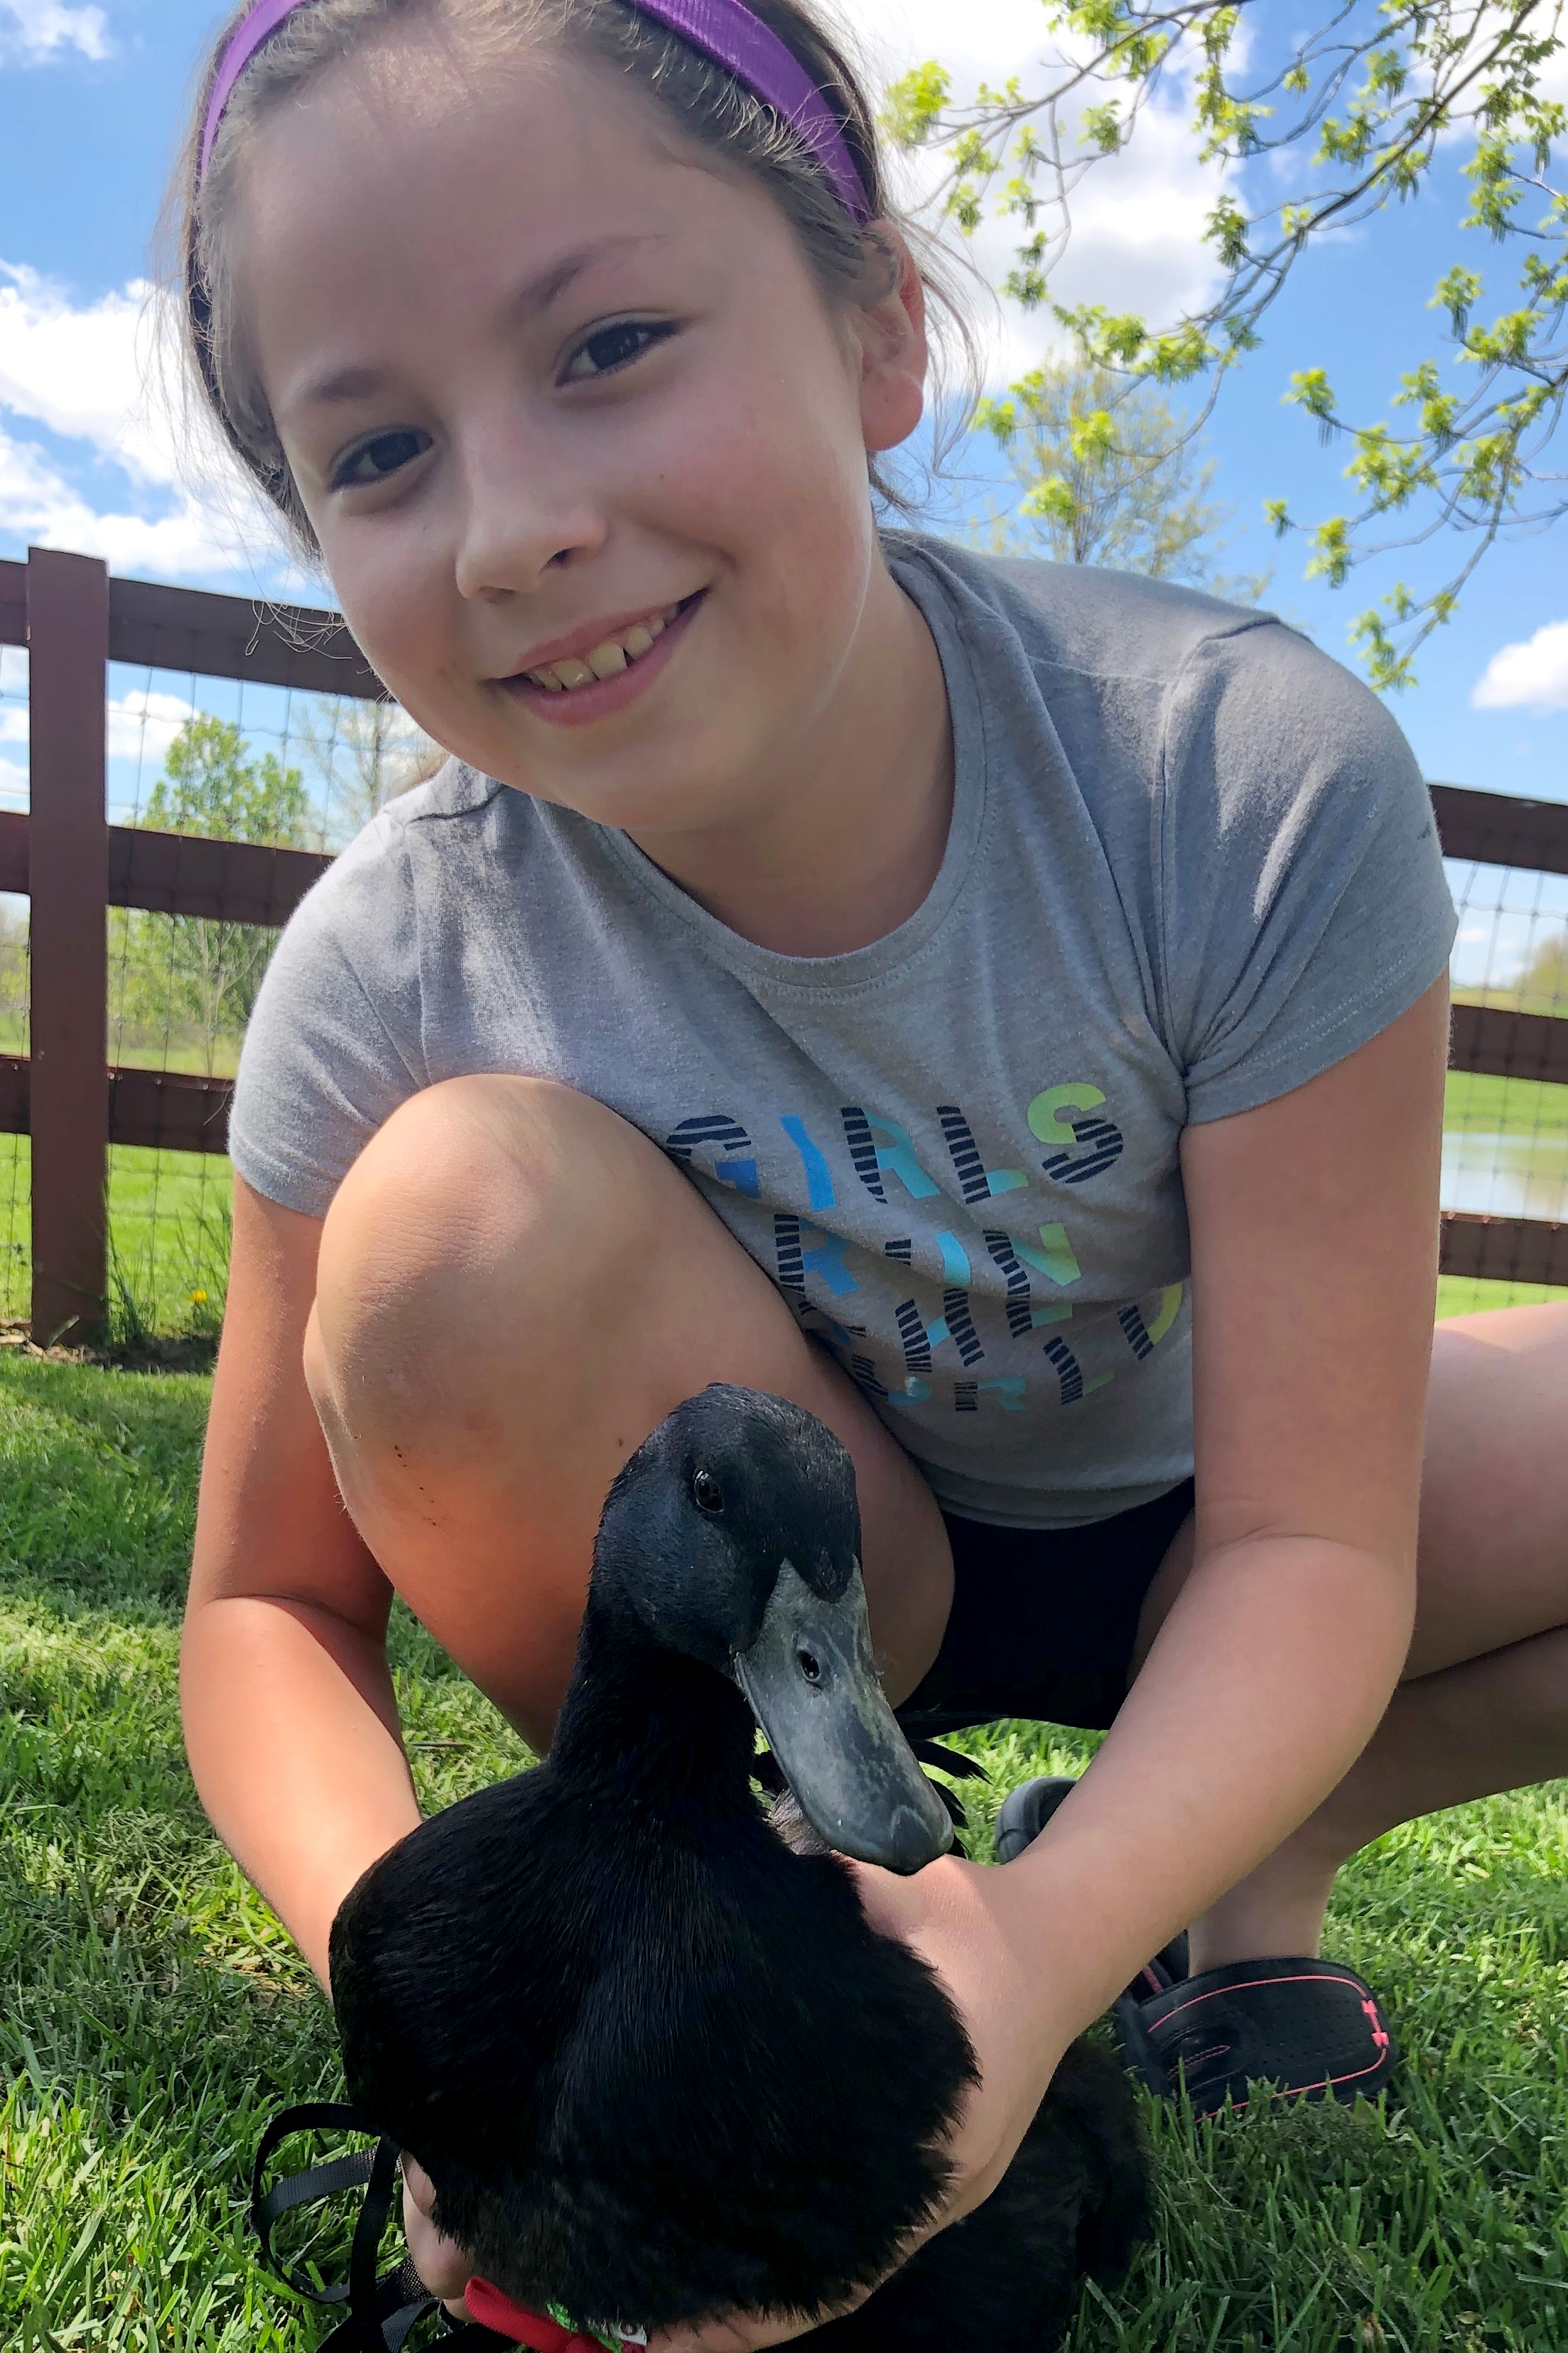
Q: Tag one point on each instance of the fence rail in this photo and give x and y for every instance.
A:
(74, 620)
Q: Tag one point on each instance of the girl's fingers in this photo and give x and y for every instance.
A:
(440, 2262)
(751, 2332)
(744, 2332)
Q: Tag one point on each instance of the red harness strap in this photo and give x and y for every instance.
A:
(493, 2309)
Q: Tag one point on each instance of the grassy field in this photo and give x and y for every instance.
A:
(168, 1225)
(1504, 1106)
(151, 2012)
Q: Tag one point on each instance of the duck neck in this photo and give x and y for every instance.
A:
(654, 1724)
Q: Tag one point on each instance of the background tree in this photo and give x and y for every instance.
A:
(1340, 120)
(13, 1002)
(1108, 477)
(364, 755)
(1542, 985)
(189, 982)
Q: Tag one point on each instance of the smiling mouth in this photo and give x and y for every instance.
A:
(611, 656)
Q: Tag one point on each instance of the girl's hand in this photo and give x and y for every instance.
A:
(980, 1932)
(440, 2262)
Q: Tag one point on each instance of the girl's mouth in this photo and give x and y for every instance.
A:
(582, 688)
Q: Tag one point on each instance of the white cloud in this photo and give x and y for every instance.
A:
(1137, 217)
(140, 725)
(143, 724)
(33, 30)
(140, 728)
(103, 375)
(39, 506)
(87, 374)
(1532, 674)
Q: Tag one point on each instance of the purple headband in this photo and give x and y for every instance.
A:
(725, 30)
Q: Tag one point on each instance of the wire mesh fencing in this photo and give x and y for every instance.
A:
(16, 1162)
(1505, 1144)
(242, 747)
(233, 761)
(306, 771)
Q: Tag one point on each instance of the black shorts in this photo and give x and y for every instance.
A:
(1044, 1620)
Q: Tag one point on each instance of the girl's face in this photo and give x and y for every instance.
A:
(562, 402)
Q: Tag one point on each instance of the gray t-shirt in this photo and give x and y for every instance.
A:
(1192, 863)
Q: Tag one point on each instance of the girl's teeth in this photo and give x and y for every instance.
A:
(608, 660)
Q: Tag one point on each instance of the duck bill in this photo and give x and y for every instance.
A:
(813, 1687)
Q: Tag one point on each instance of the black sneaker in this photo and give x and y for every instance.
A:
(1297, 2028)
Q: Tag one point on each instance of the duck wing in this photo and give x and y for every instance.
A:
(746, 2108)
(457, 1969)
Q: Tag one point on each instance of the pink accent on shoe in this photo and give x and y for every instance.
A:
(1379, 2035)
(1294, 2091)
(1289, 2091)
(1221, 1993)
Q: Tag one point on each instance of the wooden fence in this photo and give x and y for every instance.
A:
(73, 619)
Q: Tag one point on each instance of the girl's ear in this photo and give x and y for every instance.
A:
(891, 330)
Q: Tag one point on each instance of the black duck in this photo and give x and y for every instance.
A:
(655, 2061)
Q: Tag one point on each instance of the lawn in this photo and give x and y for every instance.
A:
(1504, 1106)
(151, 2012)
(168, 1226)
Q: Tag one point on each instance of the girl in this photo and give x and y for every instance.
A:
(999, 1006)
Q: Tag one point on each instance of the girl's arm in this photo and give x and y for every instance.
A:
(1314, 1256)
(290, 1723)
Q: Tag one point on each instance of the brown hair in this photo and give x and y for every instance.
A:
(702, 99)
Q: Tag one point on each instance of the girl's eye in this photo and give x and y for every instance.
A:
(612, 347)
(383, 455)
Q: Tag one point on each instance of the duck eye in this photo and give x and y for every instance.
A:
(810, 1665)
(706, 1493)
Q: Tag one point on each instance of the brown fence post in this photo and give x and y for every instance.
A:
(67, 643)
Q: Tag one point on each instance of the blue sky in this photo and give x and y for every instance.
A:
(91, 100)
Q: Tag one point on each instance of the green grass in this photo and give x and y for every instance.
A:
(168, 1230)
(151, 2013)
(1464, 1295)
(1488, 1107)
(1510, 1107)
(143, 1048)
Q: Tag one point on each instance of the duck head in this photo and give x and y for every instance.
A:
(733, 1536)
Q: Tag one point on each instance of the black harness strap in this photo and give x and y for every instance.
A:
(383, 2308)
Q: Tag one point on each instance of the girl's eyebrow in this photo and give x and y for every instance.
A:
(537, 293)
(356, 382)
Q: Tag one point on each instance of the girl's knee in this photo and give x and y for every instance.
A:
(485, 1219)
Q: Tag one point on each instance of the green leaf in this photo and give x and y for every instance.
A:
(911, 110)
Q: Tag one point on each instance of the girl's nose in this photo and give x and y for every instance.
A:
(522, 518)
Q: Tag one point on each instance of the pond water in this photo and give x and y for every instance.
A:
(1505, 1175)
